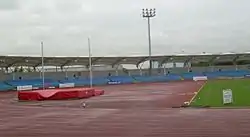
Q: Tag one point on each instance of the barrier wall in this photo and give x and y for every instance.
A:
(22, 85)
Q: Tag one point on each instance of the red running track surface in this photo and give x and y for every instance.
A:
(141, 110)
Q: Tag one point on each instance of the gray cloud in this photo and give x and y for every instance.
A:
(116, 27)
(9, 5)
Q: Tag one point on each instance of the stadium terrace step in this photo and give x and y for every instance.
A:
(36, 83)
(120, 80)
(86, 81)
(174, 77)
(217, 74)
(114, 80)
(190, 75)
(157, 78)
(5, 87)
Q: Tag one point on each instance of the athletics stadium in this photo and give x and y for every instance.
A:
(178, 101)
(157, 93)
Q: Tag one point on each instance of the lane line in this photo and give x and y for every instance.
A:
(197, 93)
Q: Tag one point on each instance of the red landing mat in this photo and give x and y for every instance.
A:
(59, 94)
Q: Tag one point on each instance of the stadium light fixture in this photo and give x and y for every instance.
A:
(149, 13)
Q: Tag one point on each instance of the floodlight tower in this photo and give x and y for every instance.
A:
(149, 13)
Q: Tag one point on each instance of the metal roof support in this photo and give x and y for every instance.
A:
(36, 61)
(67, 62)
(7, 69)
(142, 60)
(34, 68)
(116, 62)
(188, 60)
(13, 63)
(140, 66)
(36, 65)
(164, 60)
(235, 59)
(2, 61)
(211, 61)
(93, 61)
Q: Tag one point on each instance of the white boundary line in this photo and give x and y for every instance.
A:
(197, 93)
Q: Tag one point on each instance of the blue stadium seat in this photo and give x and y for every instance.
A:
(190, 75)
(151, 78)
(37, 83)
(77, 81)
(100, 81)
(229, 73)
(5, 87)
(121, 79)
(86, 81)
(173, 77)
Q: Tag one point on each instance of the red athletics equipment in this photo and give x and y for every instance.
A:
(58, 94)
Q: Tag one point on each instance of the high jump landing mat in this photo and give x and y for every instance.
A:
(58, 94)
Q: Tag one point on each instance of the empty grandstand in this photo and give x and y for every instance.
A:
(25, 70)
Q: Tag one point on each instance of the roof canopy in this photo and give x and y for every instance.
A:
(9, 61)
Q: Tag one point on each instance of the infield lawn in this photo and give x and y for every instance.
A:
(211, 93)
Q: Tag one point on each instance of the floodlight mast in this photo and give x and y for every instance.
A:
(149, 13)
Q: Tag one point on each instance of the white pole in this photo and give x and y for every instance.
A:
(42, 65)
(90, 64)
(164, 70)
(13, 75)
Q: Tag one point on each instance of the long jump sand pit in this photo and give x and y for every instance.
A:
(142, 110)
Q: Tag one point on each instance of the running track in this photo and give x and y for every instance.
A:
(142, 110)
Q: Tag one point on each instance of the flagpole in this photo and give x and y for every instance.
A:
(42, 65)
(90, 64)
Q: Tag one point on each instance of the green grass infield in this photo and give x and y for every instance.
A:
(212, 93)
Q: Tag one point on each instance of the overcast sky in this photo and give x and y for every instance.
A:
(117, 28)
